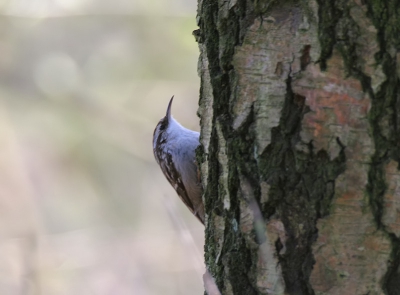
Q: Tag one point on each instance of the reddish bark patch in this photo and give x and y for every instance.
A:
(348, 238)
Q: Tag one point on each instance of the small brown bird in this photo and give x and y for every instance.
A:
(174, 149)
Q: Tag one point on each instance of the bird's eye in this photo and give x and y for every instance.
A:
(163, 124)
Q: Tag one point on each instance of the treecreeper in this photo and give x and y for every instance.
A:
(174, 148)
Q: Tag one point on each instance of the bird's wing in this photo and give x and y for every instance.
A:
(175, 179)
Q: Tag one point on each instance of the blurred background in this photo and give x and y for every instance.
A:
(84, 209)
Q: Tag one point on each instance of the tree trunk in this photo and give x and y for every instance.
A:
(300, 145)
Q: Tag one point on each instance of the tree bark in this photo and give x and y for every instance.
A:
(300, 145)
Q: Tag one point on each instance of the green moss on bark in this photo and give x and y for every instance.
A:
(229, 32)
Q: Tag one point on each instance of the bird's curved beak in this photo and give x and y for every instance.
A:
(168, 115)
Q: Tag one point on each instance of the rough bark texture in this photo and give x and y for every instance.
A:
(300, 145)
